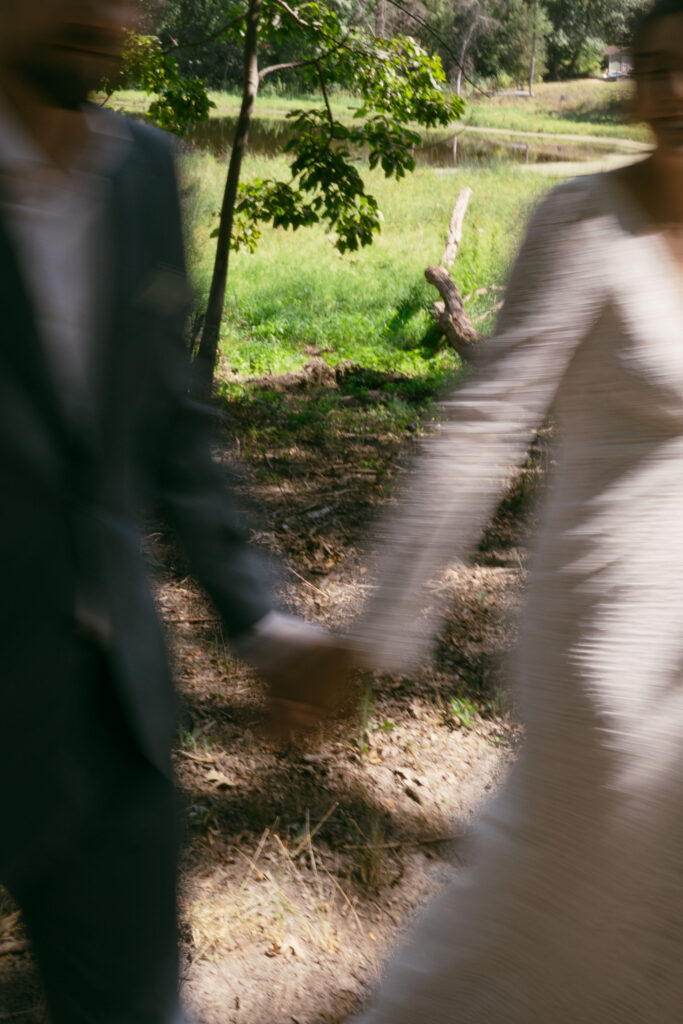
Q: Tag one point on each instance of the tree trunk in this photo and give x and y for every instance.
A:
(205, 362)
(463, 54)
(381, 19)
(532, 69)
(571, 67)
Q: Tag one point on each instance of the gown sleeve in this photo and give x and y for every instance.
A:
(554, 296)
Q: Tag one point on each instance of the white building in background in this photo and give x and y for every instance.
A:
(620, 63)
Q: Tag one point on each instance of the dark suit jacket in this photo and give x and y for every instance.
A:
(70, 498)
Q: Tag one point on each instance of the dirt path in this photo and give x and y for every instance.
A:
(302, 865)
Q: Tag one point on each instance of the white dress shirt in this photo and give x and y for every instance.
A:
(54, 217)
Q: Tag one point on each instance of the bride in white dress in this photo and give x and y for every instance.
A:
(573, 910)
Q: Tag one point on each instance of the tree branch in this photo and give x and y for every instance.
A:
(289, 65)
(326, 98)
(338, 44)
(293, 14)
(207, 39)
(439, 38)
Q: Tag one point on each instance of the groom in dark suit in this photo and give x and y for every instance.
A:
(95, 420)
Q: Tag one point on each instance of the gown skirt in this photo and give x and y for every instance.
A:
(572, 910)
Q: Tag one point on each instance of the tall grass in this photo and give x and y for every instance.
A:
(588, 107)
(296, 295)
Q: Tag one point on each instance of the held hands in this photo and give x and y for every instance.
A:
(308, 686)
(309, 673)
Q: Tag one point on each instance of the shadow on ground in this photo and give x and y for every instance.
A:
(302, 863)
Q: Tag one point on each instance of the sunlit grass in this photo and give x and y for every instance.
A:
(587, 107)
(295, 295)
(227, 104)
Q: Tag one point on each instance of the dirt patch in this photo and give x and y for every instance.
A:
(303, 864)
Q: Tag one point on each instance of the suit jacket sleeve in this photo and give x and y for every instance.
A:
(192, 487)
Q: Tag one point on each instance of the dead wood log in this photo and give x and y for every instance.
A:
(454, 236)
(450, 315)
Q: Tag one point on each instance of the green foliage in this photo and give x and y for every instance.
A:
(399, 78)
(274, 201)
(398, 81)
(372, 308)
(523, 20)
(399, 84)
(464, 711)
(577, 22)
(179, 103)
(389, 144)
(184, 26)
(591, 58)
(442, 25)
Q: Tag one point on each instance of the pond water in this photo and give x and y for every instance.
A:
(268, 137)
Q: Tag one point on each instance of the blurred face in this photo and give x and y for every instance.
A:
(63, 48)
(659, 84)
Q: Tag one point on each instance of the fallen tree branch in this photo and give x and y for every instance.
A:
(450, 315)
(454, 236)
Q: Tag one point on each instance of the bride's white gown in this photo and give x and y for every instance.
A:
(573, 909)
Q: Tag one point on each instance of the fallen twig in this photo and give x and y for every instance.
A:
(307, 582)
(213, 618)
(309, 835)
(494, 309)
(397, 846)
(196, 757)
(345, 898)
(484, 291)
(252, 860)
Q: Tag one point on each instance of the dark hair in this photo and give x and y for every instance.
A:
(660, 9)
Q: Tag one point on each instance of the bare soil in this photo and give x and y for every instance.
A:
(302, 865)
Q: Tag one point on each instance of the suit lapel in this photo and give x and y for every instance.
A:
(23, 360)
(120, 227)
(21, 348)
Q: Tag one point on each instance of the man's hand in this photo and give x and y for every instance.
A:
(308, 686)
(309, 673)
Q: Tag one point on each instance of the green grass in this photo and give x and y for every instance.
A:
(295, 296)
(589, 107)
(227, 104)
